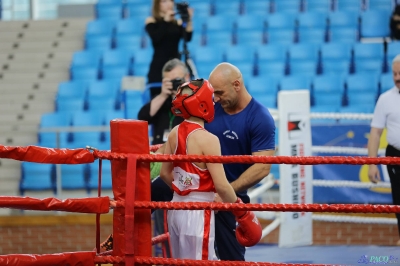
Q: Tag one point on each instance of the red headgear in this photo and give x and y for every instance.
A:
(200, 104)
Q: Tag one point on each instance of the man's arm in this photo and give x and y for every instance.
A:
(373, 147)
(254, 174)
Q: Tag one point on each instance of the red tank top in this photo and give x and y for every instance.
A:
(189, 177)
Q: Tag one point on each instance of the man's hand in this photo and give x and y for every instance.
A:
(217, 199)
(373, 173)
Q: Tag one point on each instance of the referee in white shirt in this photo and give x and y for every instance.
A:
(387, 114)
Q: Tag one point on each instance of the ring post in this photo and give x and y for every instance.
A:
(295, 180)
(130, 136)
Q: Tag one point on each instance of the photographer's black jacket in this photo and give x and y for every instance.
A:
(160, 121)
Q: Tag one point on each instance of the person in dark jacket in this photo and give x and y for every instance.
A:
(165, 32)
(395, 23)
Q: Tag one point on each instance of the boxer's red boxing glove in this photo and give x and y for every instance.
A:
(248, 230)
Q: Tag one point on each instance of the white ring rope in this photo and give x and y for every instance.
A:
(330, 115)
(353, 219)
(351, 184)
(343, 150)
(349, 116)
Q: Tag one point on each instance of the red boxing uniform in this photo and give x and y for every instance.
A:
(192, 232)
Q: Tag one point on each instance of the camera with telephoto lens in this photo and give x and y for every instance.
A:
(183, 11)
(176, 83)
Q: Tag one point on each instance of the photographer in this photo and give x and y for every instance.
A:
(166, 32)
(158, 111)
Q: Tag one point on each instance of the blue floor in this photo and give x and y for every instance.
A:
(338, 255)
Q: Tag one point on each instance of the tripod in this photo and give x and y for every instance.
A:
(186, 55)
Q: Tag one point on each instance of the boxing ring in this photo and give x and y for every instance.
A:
(130, 158)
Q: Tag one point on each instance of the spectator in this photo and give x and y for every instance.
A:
(165, 32)
(395, 23)
(244, 127)
(158, 111)
(387, 115)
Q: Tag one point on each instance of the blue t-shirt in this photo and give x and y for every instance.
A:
(251, 130)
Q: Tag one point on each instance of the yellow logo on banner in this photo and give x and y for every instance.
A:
(364, 169)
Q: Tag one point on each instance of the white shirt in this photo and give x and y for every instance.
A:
(387, 114)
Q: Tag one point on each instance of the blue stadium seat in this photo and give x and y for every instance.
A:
(349, 5)
(114, 72)
(129, 26)
(201, 9)
(110, 115)
(306, 51)
(281, 21)
(393, 49)
(280, 36)
(111, 11)
(369, 57)
(135, 10)
(386, 82)
(262, 84)
(343, 19)
(208, 54)
(239, 53)
(219, 38)
(140, 70)
(246, 68)
(250, 22)
(274, 69)
(344, 35)
(219, 23)
(117, 57)
(48, 120)
(129, 42)
(386, 5)
(257, 7)
(84, 73)
(100, 27)
(251, 38)
(72, 89)
(70, 105)
(286, 6)
(36, 176)
(204, 68)
(317, 36)
(319, 5)
(375, 23)
(105, 175)
(133, 103)
(295, 82)
(98, 43)
(312, 20)
(306, 67)
(356, 108)
(362, 89)
(85, 119)
(86, 58)
(336, 58)
(328, 91)
(104, 88)
(143, 56)
(272, 52)
(73, 176)
(267, 100)
(230, 7)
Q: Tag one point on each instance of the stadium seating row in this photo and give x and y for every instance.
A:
(114, 9)
(37, 176)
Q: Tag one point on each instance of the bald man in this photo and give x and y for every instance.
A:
(244, 127)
